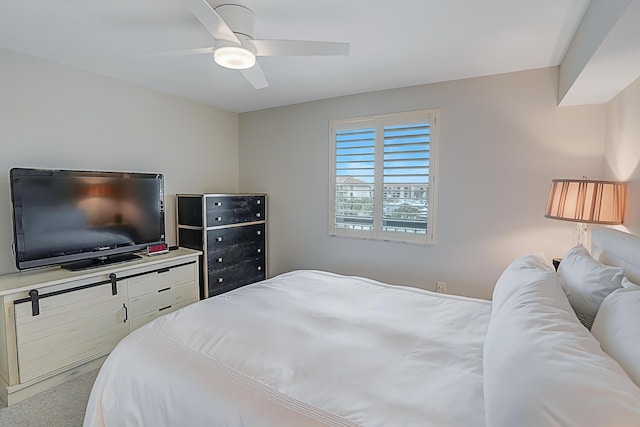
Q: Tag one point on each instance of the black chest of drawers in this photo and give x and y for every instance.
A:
(230, 230)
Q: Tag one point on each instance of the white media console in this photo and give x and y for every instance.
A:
(57, 324)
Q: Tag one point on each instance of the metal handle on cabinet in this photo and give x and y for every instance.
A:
(259, 250)
(163, 270)
(259, 232)
(165, 289)
(217, 203)
(218, 218)
(219, 259)
(259, 268)
(258, 215)
(126, 313)
(164, 308)
(35, 304)
(218, 239)
(220, 279)
(114, 284)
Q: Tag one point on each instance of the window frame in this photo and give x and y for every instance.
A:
(378, 123)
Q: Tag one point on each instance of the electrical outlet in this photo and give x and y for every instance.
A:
(441, 287)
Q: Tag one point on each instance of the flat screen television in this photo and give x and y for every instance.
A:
(83, 219)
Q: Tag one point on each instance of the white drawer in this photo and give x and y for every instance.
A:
(161, 298)
(161, 279)
(138, 321)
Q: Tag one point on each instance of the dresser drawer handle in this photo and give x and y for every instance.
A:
(218, 218)
(165, 308)
(258, 215)
(259, 232)
(219, 260)
(218, 239)
(164, 290)
(220, 279)
(217, 204)
(259, 268)
(259, 250)
(259, 202)
(163, 270)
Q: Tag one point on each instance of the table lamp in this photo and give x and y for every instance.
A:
(586, 201)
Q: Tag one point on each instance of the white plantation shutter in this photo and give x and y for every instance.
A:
(406, 178)
(354, 163)
(382, 182)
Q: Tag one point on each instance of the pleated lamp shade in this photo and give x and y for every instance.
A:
(586, 201)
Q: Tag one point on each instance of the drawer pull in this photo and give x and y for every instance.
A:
(164, 270)
(126, 313)
(259, 202)
(259, 232)
(258, 215)
(218, 239)
(220, 279)
(217, 203)
(165, 308)
(114, 284)
(165, 289)
(259, 268)
(218, 218)
(259, 250)
(219, 260)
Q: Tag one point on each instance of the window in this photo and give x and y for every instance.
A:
(383, 177)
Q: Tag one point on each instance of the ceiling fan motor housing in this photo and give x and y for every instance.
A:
(238, 18)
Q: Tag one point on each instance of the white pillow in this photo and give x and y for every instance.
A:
(617, 327)
(543, 368)
(587, 282)
(525, 269)
(626, 283)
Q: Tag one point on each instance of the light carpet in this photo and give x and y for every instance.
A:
(61, 406)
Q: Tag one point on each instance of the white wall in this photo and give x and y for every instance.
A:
(503, 139)
(622, 150)
(52, 116)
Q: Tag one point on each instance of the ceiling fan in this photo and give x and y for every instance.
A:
(232, 26)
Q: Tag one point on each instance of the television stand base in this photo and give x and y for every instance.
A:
(86, 264)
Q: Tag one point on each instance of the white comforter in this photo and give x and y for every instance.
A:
(305, 348)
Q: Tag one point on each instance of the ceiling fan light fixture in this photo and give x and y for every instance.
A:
(234, 57)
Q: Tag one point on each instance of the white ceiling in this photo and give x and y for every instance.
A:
(393, 44)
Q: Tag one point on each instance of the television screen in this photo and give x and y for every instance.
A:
(63, 216)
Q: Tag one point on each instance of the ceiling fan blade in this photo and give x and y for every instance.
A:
(298, 47)
(208, 17)
(255, 76)
(179, 52)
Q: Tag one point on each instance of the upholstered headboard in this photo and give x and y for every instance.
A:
(613, 247)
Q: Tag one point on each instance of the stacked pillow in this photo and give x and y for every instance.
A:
(587, 282)
(542, 367)
(606, 302)
(617, 328)
(525, 270)
(626, 283)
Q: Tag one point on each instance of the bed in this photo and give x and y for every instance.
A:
(312, 348)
